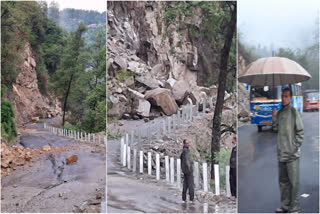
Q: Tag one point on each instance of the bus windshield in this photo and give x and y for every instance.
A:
(312, 96)
(265, 93)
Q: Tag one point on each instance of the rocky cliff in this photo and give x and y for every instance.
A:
(28, 102)
(154, 67)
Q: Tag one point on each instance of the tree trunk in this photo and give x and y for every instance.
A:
(66, 100)
(216, 129)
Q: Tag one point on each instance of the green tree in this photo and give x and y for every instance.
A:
(71, 66)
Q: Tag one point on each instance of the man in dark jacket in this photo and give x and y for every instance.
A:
(233, 168)
(287, 122)
(186, 166)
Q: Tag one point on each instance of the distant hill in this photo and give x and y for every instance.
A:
(69, 18)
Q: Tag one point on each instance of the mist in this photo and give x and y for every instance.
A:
(278, 23)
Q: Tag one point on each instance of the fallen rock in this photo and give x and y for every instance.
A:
(163, 98)
(143, 108)
(180, 90)
(121, 62)
(72, 159)
(148, 81)
(46, 148)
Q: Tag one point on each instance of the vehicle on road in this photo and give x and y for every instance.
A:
(311, 100)
(264, 99)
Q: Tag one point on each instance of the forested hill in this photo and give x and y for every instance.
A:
(47, 70)
(68, 19)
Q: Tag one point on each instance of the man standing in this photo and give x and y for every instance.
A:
(186, 166)
(287, 122)
(233, 168)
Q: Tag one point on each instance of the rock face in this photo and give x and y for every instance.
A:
(149, 54)
(163, 98)
(27, 100)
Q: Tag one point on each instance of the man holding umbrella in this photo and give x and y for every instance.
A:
(287, 122)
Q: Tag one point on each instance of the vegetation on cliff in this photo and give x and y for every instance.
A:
(63, 60)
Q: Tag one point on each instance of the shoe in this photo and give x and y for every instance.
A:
(184, 202)
(281, 210)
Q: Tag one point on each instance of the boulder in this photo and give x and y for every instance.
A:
(143, 108)
(72, 159)
(180, 90)
(164, 99)
(46, 148)
(136, 93)
(148, 81)
(137, 67)
(157, 69)
(170, 83)
(117, 110)
(121, 62)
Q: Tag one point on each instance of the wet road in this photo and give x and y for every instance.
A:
(258, 173)
(130, 193)
(49, 184)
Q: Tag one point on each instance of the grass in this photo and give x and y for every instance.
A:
(123, 75)
(223, 158)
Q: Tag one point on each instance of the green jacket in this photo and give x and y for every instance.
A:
(289, 126)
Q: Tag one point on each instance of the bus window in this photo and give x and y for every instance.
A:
(265, 93)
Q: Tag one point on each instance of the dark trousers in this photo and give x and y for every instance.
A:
(188, 184)
(233, 181)
(289, 185)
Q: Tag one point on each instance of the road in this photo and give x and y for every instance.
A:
(258, 176)
(129, 193)
(49, 184)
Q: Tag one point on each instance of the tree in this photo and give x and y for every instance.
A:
(72, 65)
(225, 53)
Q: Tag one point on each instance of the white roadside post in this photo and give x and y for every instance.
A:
(217, 179)
(157, 166)
(179, 173)
(124, 160)
(171, 170)
(228, 181)
(166, 159)
(134, 167)
(205, 177)
(121, 148)
(149, 163)
(141, 162)
(128, 157)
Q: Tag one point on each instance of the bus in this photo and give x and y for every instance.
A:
(264, 99)
(311, 100)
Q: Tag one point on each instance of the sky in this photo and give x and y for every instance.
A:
(97, 5)
(278, 23)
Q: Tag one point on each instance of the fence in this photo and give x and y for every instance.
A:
(80, 136)
(171, 169)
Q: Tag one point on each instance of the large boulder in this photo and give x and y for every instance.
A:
(143, 108)
(117, 110)
(122, 63)
(164, 99)
(180, 90)
(148, 81)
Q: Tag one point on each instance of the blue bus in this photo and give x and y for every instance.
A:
(263, 100)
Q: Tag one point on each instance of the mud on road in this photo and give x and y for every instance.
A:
(51, 185)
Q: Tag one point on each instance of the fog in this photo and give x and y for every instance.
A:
(96, 5)
(278, 23)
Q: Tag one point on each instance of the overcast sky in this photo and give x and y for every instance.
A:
(283, 23)
(97, 5)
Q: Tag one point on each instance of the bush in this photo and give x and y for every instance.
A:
(8, 127)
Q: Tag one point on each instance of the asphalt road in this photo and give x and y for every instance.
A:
(258, 189)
